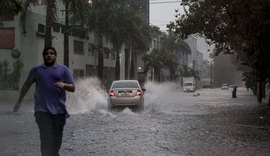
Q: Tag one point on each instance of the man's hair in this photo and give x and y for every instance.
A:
(47, 48)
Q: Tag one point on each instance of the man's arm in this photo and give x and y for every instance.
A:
(67, 86)
(24, 90)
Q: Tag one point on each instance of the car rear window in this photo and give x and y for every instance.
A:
(125, 85)
(188, 84)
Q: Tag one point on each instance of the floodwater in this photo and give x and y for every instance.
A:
(173, 123)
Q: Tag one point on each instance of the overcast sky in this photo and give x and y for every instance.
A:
(162, 12)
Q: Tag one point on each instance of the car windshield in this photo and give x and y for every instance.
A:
(127, 84)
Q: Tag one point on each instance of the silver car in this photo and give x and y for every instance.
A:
(126, 93)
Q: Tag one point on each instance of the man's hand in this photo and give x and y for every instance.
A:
(60, 84)
(66, 86)
(16, 107)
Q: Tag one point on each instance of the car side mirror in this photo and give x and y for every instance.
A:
(143, 89)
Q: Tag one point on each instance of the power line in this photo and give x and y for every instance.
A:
(164, 2)
(161, 0)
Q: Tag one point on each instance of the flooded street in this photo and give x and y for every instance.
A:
(173, 123)
(194, 73)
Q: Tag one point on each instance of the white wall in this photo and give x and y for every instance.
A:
(31, 46)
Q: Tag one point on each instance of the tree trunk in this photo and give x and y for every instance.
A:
(263, 89)
(129, 59)
(259, 91)
(135, 65)
(172, 74)
(49, 23)
(66, 36)
(269, 98)
(100, 58)
(146, 71)
(132, 65)
(157, 74)
(117, 66)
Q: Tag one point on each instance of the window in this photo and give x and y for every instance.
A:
(90, 70)
(125, 84)
(106, 52)
(78, 73)
(41, 28)
(113, 54)
(91, 49)
(57, 27)
(7, 38)
(78, 47)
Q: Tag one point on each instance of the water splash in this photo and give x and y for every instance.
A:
(89, 95)
(156, 93)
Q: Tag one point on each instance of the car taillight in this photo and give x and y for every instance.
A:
(139, 93)
(112, 93)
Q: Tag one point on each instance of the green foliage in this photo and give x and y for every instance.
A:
(10, 80)
(154, 31)
(189, 72)
(121, 22)
(10, 7)
(224, 70)
(158, 59)
(79, 12)
(234, 26)
(124, 23)
(250, 80)
(154, 59)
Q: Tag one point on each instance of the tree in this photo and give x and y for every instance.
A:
(172, 45)
(106, 22)
(134, 33)
(228, 25)
(224, 71)
(78, 18)
(99, 12)
(8, 7)
(158, 59)
(153, 59)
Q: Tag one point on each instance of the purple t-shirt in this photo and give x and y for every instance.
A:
(48, 97)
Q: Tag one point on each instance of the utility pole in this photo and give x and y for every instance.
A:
(66, 35)
(211, 74)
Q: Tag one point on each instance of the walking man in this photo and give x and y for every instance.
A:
(234, 92)
(52, 80)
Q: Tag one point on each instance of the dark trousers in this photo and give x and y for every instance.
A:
(51, 132)
(234, 94)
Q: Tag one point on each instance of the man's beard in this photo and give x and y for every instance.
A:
(49, 64)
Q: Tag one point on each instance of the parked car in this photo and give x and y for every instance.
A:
(224, 86)
(126, 93)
